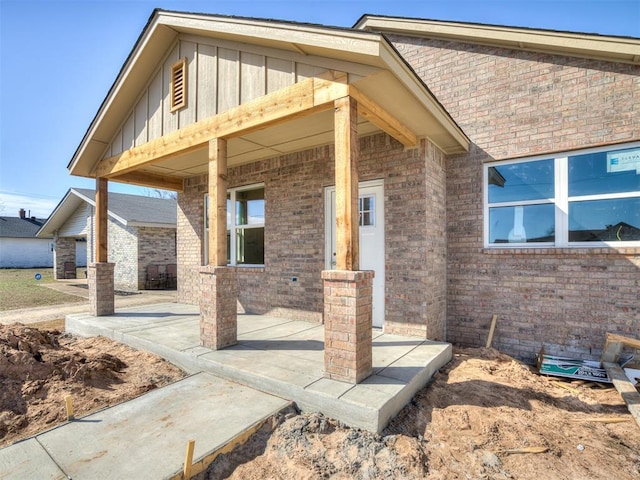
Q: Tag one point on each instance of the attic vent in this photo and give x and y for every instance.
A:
(179, 84)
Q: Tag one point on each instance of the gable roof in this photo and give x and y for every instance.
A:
(16, 227)
(586, 45)
(129, 210)
(412, 103)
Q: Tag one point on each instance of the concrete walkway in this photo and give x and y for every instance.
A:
(145, 438)
(281, 357)
(75, 287)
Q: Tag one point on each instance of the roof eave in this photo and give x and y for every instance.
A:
(584, 45)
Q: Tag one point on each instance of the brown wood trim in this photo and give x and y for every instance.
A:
(102, 212)
(346, 171)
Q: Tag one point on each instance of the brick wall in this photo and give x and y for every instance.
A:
(513, 104)
(123, 251)
(65, 251)
(294, 234)
(156, 246)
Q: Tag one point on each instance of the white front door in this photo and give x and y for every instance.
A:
(371, 204)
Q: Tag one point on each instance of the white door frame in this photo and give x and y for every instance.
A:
(379, 279)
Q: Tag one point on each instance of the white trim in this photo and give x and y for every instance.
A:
(232, 214)
(562, 200)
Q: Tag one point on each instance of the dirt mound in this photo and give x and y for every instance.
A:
(311, 446)
(39, 368)
(482, 417)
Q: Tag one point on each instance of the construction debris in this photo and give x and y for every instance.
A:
(571, 368)
(623, 380)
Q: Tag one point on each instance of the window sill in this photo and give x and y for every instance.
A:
(600, 250)
(250, 268)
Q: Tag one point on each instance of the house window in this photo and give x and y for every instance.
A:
(245, 225)
(178, 85)
(586, 198)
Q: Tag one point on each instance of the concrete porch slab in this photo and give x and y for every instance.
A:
(281, 357)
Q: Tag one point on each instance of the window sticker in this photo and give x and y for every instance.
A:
(624, 161)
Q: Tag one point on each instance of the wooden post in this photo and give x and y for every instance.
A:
(346, 163)
(188, 460)
(101, 219)
(68, 401)
(217, 202)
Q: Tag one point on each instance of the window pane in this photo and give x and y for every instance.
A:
(522, 224)
(605, 220)
(367, 211)
(605, 172)
(521, 181)
(250, 246)
(250, 207)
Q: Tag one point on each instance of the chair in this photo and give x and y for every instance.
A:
(155, 279)
(171, 276)
(69, 270)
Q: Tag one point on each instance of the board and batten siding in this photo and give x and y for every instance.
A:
(220, 75)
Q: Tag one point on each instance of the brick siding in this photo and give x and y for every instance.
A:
(64, 251)
(156, 246)
(414, 185)
(514, 104)
(132, 249)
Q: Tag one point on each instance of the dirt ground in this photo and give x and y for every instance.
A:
(39, 368)
(484, 416)
(476, 420)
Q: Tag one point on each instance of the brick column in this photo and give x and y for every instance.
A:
(218, 307)
(101, 290)
(64, 251)
(348, 302)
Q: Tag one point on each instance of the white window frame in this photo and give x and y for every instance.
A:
(561, 200)
(232, 227)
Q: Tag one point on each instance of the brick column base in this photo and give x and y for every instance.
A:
(348, 306)
(218, 307)
(101, 290)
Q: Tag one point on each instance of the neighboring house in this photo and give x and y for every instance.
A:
(19, 247)
(142, 232)
(491, 162)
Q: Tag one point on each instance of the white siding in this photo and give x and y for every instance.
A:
(26, 253)
(77, 223)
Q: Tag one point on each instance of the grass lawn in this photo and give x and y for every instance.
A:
(20, 289)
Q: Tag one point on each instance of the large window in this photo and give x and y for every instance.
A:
(245, 225)
(586, 198)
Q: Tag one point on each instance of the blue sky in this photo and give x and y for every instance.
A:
(58, 60)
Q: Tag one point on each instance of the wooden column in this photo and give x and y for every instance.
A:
(100, 279)
(217, 202)
(101, 219)
(346, 163)
(218, 283)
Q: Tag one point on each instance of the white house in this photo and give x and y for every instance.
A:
(19, 246)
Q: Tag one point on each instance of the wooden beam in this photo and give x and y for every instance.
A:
(102, 211)
(301, 99)
(626, 389)
(346, 166)
(153, 180)
(217, 202)
(383, 119)
(614, 344)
